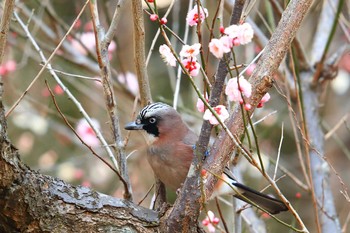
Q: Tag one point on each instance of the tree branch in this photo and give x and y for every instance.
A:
(261, 81)
(187, 205)
(139, 47)
(4, 28)
(30, 201)
(103, 60)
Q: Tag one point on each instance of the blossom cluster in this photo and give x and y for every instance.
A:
(233, 35)
(188, 54)
(7, 67)
(238, 88)
(211, 221)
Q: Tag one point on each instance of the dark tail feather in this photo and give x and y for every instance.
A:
(251, 196)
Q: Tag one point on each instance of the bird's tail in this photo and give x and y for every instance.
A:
(251, 196)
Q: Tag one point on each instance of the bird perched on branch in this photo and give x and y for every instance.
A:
(171, 153)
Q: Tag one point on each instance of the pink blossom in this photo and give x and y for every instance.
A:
(167, 56)
(220, 110)
(240, 34)
(190, 50)
(7, 67)
(11, 65)
(211, 221)
(227, 43)
(247, 107)
(200, 105)
(112, 47)
(191, 65)
(263, 100)
(86, 183)
(163, 20)
(153, 17)
(3, 70)
(232, 31)
(58, 90)
(130, 81)
(193, 17)
(86, 133)
(250, 69)
(234, 93)
(88, 40)
(216, 47)
(246, 33)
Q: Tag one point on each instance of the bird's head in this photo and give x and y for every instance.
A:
(155, 119)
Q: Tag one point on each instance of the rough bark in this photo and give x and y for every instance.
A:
(32, 202)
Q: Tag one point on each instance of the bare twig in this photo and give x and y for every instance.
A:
(77, 135)
(67, 91)
(102, 44)
(47, 62)
(278, 154)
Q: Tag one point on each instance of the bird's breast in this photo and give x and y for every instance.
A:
(170, 163)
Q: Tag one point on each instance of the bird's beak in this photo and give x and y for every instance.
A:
(133, 126)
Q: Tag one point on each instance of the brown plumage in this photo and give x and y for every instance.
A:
(171, 153)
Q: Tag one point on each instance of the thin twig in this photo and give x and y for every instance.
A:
(278, 154)
(147, 193)
(111, 105)
(67, 91)
(336, 127)
(47, 61)
(77, 135)
(221, 215)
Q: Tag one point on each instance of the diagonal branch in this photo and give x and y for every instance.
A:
(261, 81)
(187, 205)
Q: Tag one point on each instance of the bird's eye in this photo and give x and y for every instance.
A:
(152, 120)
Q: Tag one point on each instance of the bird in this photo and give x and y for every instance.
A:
(170, 154)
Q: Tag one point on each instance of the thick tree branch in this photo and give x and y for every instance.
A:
(261, 81)
(32, 202)
(139, 51)
(187, 205)
(4, 28)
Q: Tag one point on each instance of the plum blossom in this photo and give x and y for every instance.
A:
(153, 17)
(167, 56)
(88, 40)
(191, 65)
(193, 17)
(220, 46)
(250, 69)
(240, 34)
(163, 20)
(130, 81)
(216, 47)
(190, 50)
(211, 221)
(234, 93)
(7, 67)
(86, 133)
(246, 33)
(263, 100)
(220, 110)
(58, 90)
(200, 105)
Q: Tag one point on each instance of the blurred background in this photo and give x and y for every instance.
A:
(48, 145)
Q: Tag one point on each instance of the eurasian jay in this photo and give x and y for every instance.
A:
(170, 155)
